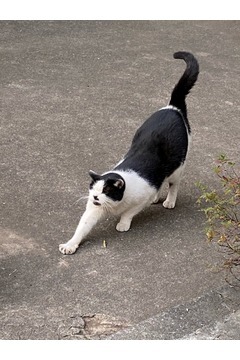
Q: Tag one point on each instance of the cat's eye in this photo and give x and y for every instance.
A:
(106, 189)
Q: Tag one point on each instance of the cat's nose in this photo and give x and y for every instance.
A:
(96, 198)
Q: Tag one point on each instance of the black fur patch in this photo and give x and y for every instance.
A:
(114, 185)
(158, 148)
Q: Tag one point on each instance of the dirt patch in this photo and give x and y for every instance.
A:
(55, 323)
(93, 326)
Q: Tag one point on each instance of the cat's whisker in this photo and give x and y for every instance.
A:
(80, 199)
(107, 205)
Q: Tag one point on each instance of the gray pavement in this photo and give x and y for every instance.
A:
(73, 94)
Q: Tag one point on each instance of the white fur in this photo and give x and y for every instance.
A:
(138, 194)
(137, 191)
(171, 107)
(174, 180)
(89, 219)
(97, 191)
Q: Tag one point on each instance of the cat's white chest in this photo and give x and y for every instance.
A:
(138, 191)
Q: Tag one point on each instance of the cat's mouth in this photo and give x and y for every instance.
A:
(96, 203)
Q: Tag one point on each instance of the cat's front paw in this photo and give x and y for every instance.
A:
(67, 249)
(121, 226)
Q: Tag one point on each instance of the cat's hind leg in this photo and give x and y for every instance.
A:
(158, 196)
(173, 181)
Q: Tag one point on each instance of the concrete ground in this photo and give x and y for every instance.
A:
(73, 94)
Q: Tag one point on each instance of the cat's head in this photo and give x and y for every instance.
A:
(106, 190)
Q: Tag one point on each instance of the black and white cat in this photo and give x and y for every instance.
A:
(157, 153)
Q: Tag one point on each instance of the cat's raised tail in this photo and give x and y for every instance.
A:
(186, 82)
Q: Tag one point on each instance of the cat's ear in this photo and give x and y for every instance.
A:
(94, 176)
(119, 183)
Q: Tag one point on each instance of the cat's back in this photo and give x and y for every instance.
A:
(164, 125)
